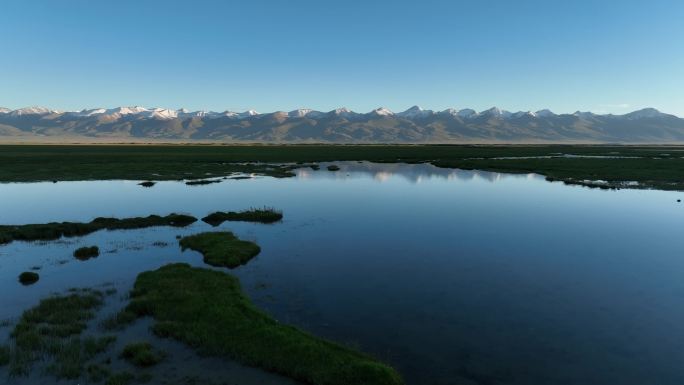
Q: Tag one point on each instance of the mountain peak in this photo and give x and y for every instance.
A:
(467, 113)
(382, 111)
(496, 112)
(645, 113)
(247, 114)
(545, 113)
(415, 112)
(299, 113)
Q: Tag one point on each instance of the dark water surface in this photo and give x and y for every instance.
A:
(453, 277)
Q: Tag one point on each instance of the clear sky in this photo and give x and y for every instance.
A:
(602, 56)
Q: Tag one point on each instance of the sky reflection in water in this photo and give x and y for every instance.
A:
(453, 276)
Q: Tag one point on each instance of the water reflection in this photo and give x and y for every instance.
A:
(414, 173)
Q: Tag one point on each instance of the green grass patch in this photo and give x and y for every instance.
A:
(221, 249)
(85, 253)
(264, 215)
(142, 354)
(28, 278)
(56, 230)
(207, 310)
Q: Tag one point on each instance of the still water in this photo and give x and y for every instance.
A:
(451, 276)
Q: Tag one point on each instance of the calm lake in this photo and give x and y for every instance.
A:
(451, 276)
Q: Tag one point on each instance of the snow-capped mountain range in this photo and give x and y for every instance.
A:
(415, 125)
(411, 113)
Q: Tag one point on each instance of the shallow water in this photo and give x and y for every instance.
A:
(453, 277)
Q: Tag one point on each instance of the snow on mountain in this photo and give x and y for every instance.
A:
(382, 111)
(523, 114)
(299, 113)
(496, 112)
(247, 114)
(183, 113)
(344, 112)
(302, 112)
(161, 113)
(415, 112)
(33, 111)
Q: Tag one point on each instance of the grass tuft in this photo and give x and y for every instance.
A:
(28, 278)
(142, 354)
(221, 249)
(85, 253)
(202, 182)
(264, 215)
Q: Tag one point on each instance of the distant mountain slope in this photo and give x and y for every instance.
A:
(414, 125)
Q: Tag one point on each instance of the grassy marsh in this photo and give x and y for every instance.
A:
(207, 310)
(221, 249)
(264, 215)
(56, 230)
(652, 166)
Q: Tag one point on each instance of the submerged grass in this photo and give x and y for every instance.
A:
(264, 215)
(221, 249)
(28, 278)
(207, 310)
(51, 330)
(142, 354)
(118, 321)
(55, 230)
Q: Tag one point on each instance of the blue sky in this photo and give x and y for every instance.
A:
(603, 56)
